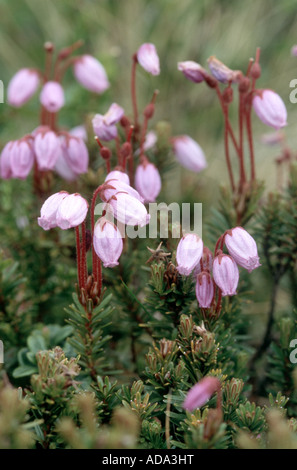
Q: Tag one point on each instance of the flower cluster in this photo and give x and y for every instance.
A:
(193, 257)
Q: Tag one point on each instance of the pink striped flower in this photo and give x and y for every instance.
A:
(192, 71)
(147, 57)
(5, 161)
(243, 248)
(115, 186)
(270, 108)
(22, 87)
(204, 289)
(48, 212)
(128, 210)
(107, 242)
(148, 181)
(90, 73)
(226, 274)
(72, 211)
(47, 149)
(104, 126)
(201, 393)
(118, 175)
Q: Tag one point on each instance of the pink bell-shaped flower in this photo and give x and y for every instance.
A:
(201, 393)
(5, 161)
(192, 71)
(189, 153)
(225, 274)
(117, 186)
(22, 87)
(148, 181)
(90, 73)
(270, 108)
(76, 154)
(148, 58)
(104, 126)
(47, 149)
(52, 96)
(48, 211)
(21, 159)
(188, 254)
(80, 132)
(107, 242)
(72, 211)
(62, 167)
(118, 175)
(243, 248)
(128, 210)
(221, 72)
(204, 289)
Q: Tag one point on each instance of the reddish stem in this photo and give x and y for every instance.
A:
(227, 154)
(96, 262)
(133, 90)
(84, 269)
(241, 121)
(78, 256)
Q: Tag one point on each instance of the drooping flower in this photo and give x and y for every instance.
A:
(192, 71)
(90, 73)
(148, 181)
(201, 393)
(204, 289)
(62, 167)
(76, 154)
(22, 87)
(80, 132)
(72, 211)
(105, 125)
(128, 210)
(189, 153)
(48, 211)
(270, 108)
(52, 96)
(5, 160)
(21, 159)
(225, 274)
(243, 248)
(115, 186)
(47, 149)
(107, 242)
(148, 58)
(188, 254)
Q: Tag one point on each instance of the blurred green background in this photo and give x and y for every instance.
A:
(181, 30)
(187, 30)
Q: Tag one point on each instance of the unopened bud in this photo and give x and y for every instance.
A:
(126, 150)
(244, 84)
(228, 95)
(256, 71)
(105, 153)
(149, 111)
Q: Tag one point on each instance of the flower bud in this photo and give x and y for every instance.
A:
(148, 181)
(243, 248)
(72, 211)
(201, 393)
(188, 254)
(107, 242)
(148, 58)
(270, 108)
(226, 274)
(192, 71)
(189, 153)
(22, 86)
(21, 159)
(5, 161)
(204, 289)
(76, 154)
(63, 169)
(90, 73)
(128, 210)
(118, 175)
(48, 211)
(221, 72)
(47, 149)
(52, 96)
